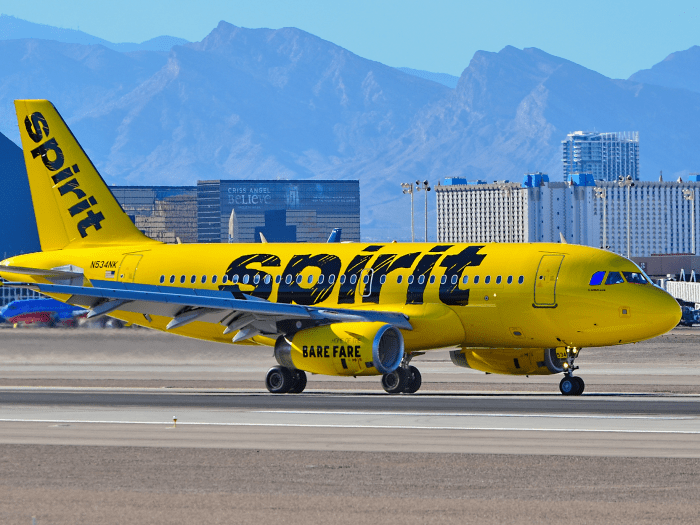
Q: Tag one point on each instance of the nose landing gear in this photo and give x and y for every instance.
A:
(571, 385)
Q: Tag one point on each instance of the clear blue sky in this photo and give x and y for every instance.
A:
(613, 37)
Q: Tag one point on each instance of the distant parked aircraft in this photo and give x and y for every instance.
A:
(47, 312)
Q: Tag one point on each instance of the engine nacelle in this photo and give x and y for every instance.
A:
(510, 361)
(343, 349)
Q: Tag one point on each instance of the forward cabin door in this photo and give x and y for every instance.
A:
(546, 281)
(127, 269)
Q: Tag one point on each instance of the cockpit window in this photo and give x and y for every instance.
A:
(597, 279)
(635, 278)
(614, 278)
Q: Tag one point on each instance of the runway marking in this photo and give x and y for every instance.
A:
(464, 414)
(374, 427)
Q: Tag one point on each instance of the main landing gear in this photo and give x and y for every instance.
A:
(402, 380)
(282, 380)
(571, 385)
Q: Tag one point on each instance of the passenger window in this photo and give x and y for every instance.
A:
(353, 279)
(635, 278)
(510, 279)
(365, 279)
(278, 279)
(311, 279)
(421, 279)
(498, 280)
(465, 279)
(597, 279)
(204, 279)
(299, 279)
(331, 278)
(487, 279)
(454, 279)
(172, 279)
(224, 279)
(213, 279)
(443, 279)
(162, 279)
(320, 279)
(382, 279)
(182, 279)
(267, 279)
(246, 279)
(342, 279)
(432, 279)
(614, 278)
(234, 279)
(476, 279)
(410, 279)
(256, 279)
(521, 279)
(399, 279)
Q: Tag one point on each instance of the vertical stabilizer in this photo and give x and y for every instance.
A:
(72, 204)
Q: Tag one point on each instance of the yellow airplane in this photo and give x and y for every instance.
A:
(354, 309)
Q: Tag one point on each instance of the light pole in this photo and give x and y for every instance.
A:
(689, 195)
(426, 189)
(600, 193)
(408, 188)
(628, 183)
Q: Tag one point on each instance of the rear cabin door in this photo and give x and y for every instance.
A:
(127, 269)
(546, 281)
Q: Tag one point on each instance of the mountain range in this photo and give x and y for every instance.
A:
(262, 103)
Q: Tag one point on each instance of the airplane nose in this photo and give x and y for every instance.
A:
(667, 312)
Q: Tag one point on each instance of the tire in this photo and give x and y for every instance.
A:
(414, 380)
(395, 382)
(581, 386)
(299, 378)
(568, 386)
(279, 380)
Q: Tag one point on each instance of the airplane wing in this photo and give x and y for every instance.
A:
(249, 315)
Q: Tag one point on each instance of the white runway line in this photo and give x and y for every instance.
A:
(464, 414)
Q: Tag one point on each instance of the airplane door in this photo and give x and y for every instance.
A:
(546, 281)
(366, 281)
(127, 269)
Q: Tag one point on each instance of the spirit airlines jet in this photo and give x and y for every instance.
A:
(353, 309)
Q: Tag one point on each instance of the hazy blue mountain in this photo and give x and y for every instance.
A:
(678, 70)
(261, 103)
(18, 232)
(442, 78)
(12, 28)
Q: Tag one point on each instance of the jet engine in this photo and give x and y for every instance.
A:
(343, 349)
(511, 361)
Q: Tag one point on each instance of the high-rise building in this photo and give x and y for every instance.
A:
(594, 213)
(282, 210)
(604, 156)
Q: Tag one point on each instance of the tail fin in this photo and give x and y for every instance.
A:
(72, 204)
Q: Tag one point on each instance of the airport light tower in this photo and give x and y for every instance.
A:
(627, 182)
(689, 195)
(426, 188)
(408, 188)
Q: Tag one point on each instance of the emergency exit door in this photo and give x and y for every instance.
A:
(546, 281)
(127, 269)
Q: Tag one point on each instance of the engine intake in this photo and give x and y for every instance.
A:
(343, 349)
(511, 361)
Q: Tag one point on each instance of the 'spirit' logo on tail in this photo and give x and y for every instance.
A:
(54, 160)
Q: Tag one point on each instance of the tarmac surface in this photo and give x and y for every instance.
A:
(87, 435)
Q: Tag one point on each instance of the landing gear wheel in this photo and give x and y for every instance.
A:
(279, 380)
(571, 386)
(395, 382)
(414, 380)
(299, 377)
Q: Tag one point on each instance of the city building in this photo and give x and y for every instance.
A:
(282, 210)
(163, 213)
(604, 156)
(583, 211)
